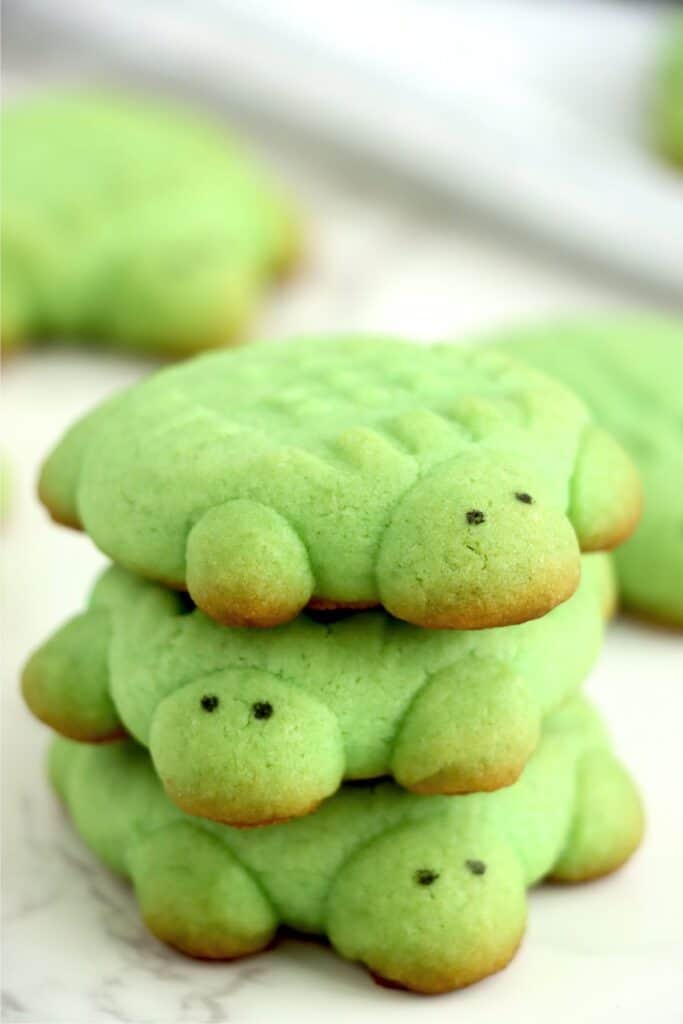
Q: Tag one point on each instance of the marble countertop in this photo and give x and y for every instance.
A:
(384, 259)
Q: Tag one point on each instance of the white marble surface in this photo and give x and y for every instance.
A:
(74, 948)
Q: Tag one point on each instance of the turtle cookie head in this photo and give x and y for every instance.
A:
(461, 891)
(478, 542)
(245, 748)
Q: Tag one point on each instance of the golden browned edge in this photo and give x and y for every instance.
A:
(281, 272)
(260, 615)
(71, 730)
(61, 520)
(524, 613)
(171, 352)
(208, 810)
(199, 951)
(267, 618)
(622, 531)
(281, 934)
(511, 615)
(673, 158)
(651, 619)
(450, 983)
(618, 861)
(17, 345)
(74, 732)
(257, 619)
(202, 950)
(482, 782)
(262, 618)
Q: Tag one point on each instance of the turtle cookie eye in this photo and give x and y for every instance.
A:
(475, 516)
(477, 867)
(524, 497)
(209, 702)
(262, 709)
(425, 876)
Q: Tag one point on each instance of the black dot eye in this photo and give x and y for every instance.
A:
(525, 498)
(475, 516)
(477, 867)
(262, 709)
(209, 702)
(425, 876)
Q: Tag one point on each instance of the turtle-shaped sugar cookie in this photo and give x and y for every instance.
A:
(253, 726)
(427, 891)
(629, 371)
(454, 487)
(132, 224)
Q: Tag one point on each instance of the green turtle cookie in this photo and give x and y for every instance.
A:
(252, 726)
(629, 370)
(455, 488)
(667, 99)
(132, 223)
(427, 891)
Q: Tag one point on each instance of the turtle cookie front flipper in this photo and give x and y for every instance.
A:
(246, 566)
(608, 820)
(66, 681)
(196, 896)
(605, 493)
(471, 728)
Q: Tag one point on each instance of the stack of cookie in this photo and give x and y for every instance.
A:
(339, 561)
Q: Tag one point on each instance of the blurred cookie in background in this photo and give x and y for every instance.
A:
(667, 103)
(133, 224)
(629, 370)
